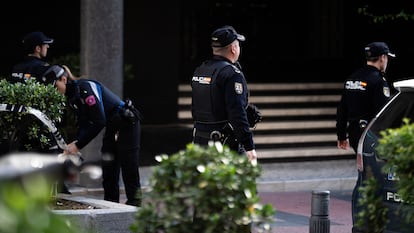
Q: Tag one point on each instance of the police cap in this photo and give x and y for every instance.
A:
(376, 49)
(225, 35)
(36, 38)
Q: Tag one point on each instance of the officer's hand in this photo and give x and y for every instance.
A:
(343, 144)
(72, 149)
(252, 156)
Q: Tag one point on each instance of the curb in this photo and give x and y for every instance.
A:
(332, 184)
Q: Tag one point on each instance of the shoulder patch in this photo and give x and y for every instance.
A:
(90, 100)
(238, 87)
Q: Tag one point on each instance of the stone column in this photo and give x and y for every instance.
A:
(101, 55)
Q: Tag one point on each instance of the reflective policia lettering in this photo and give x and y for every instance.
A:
(23, 76)
(355, 85)
(202, 80)
(390, 196)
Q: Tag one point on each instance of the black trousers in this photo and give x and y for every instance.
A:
(120, 151)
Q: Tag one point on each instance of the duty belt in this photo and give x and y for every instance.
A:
(214, 135)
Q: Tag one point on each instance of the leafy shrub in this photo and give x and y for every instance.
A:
(24, 208)
(203, 190)
(397, 147)
(373, 216)
(22, 131)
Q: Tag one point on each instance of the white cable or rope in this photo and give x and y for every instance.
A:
(49, 124)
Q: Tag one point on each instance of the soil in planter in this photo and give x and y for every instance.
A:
(64, 204)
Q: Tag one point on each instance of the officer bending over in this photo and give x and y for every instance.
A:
(97, 107)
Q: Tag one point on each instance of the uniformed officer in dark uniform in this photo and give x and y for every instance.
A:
(33, 66)
(220, 96)
(36, 45)
(97, 107)
(365, 92)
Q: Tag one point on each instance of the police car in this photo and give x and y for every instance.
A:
(370, 163)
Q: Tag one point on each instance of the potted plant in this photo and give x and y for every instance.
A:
(203, 190)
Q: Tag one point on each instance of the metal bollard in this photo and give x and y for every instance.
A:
(319, 221)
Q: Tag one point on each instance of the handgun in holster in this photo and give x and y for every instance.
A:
(130, 113)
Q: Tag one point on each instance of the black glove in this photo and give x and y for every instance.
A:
(253, 115)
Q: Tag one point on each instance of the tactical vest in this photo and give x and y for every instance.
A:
(207, 98)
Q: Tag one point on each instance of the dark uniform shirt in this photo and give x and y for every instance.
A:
(220, 96)
(365, 92)
(95, 106)
(30, 67)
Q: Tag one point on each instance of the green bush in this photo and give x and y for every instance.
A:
(373, 216)
(397, 147)
(22, 131)
(203, 190)
(24, 207)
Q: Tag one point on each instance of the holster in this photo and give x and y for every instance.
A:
(130, 113)
(253, 115)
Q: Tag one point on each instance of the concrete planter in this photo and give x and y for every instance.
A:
(111, 217)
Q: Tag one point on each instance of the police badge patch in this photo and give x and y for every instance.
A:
(238, 87)
(90, 100)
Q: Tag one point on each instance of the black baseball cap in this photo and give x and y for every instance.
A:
(376, 49)
(223, 36)
(36, 38)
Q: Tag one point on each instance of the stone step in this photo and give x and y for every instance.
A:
(182, 101)
(304, 152)
(298, 119)
(311, 124)
(186, 114)
(275, 139)
(274, 125)
(281, 86)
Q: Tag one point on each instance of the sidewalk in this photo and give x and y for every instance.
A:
(293, 211)
(288, 187)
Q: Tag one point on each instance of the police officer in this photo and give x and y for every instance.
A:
(97, 107)
(36, 45)
(365, 92)
(220, 96)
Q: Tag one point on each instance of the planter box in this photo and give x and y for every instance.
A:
(111, 217)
